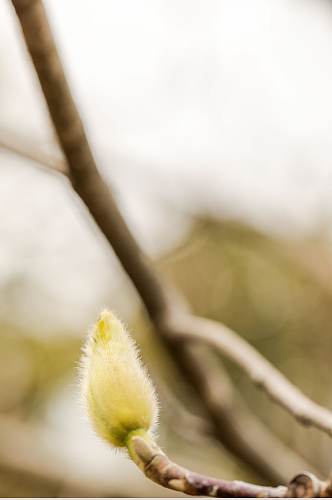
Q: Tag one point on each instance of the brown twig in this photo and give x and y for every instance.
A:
(87, 182)
(156, 465)
(160, 469)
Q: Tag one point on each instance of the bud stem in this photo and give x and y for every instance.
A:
(159, 468)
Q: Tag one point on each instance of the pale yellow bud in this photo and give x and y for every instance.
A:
(119, 395)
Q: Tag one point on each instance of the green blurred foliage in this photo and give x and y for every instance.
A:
(31, 366)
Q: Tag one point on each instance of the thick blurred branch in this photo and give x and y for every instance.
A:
(168, 314)
(96, 195)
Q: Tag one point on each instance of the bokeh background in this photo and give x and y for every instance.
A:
(212, 121)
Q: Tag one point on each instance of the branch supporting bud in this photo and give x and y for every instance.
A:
(159, 468)
(307, 485)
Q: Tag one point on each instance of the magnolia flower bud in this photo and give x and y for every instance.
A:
(118, 393)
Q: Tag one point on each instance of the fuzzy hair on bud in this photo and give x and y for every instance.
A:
(117, 391)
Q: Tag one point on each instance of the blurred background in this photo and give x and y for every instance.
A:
(212, 122)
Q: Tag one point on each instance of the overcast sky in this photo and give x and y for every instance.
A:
(223, 106)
